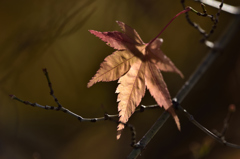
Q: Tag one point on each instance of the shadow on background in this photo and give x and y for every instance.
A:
(54, 35)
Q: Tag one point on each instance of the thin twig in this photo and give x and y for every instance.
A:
(231, 110)
(220, 139)
(202, 31)
(51, 89)
(80, 118)
(224, 39)
(106, 116)
(214, 19)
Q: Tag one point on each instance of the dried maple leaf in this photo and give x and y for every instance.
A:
(137, 65)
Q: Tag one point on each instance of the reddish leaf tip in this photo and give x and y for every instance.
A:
(92, 31)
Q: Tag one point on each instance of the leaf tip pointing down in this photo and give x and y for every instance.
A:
(119, 130)
(175, 117)
(89, 84)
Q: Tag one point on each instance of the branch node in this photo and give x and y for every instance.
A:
(64, 110)
(93, 120)
(106, 116)
(32, 104)
(79, 118)
(26, 102)
(138, 146)
(175, 103)
(142, 108)
(12, 96)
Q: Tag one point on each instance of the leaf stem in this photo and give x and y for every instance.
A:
(184, 11)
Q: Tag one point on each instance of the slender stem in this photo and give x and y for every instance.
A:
(226, 122)
(51, 89)
(204, 8)
(208, 132)
(184, 11)
(80, 118)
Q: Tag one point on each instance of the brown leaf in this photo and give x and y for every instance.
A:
(137, 65)
(113, 67)
(161, 61)
(156, 86)
(131, 90)
(158, 89)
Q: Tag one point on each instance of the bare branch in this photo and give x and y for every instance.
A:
(220, 139)
(80, 118)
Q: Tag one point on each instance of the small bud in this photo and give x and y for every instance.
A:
(44, 70)
(93, 120)
(12, 96)
(232, 108)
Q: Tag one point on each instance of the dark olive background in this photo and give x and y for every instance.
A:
(53, 34)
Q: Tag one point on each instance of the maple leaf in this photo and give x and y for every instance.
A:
(137, 65)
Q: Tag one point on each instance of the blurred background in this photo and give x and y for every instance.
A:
(53, 34)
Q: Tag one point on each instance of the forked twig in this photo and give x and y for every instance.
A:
(214, 19)
(160, 122)
(220, 139)
(80, 118)
(231, 110)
